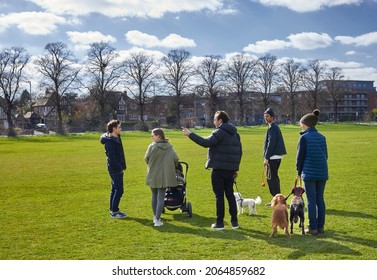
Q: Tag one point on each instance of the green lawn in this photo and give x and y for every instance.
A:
(54, 195)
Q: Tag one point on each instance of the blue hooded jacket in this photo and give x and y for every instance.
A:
(116, 161)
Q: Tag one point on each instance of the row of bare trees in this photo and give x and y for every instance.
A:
(103, 71)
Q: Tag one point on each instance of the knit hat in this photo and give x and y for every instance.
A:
(270, 112)
(311, 119)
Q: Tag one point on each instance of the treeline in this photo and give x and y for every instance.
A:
(255, 81)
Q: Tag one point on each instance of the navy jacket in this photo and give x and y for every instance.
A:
(311, 161)
(116, 161)
(273, 142)
(225, 149)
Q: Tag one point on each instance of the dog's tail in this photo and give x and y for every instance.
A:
(258, 200)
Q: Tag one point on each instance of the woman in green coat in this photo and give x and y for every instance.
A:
(162, 161)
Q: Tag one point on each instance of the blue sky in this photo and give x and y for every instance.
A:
(342, 33)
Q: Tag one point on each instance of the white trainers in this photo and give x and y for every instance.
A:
(158, 223)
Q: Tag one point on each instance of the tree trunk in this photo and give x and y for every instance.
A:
(11, 131)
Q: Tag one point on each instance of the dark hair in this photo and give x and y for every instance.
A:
(111, 125)
(160, 132)
(222, 115)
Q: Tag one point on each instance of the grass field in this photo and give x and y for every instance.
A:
(54, 201)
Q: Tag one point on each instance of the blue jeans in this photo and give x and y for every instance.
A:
(314, 190)
(222, 183)
(116, 190)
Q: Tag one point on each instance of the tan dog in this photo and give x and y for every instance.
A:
(279, 214)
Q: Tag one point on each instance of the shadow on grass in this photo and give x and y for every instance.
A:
(306, 245)
(329, 243)
(196, 225)
(349, 214)
(333, 243)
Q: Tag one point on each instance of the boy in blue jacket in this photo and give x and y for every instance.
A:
(116, 164)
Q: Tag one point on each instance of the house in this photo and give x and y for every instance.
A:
(45, 107)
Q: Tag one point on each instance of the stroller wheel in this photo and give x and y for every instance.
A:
(189, 209)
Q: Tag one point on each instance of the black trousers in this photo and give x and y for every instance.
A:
(273, 178)
(222, 183)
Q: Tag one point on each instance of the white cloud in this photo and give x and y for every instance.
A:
(350, 53)
(82, 40)
(128, 8)
(308, 5)
(310, 40)
(343, 65)
(141, 39)
(359, 41)
(87, 38)
(125, 54)
(301, 41)
(353, 70)
(362, 73)
(266, 46)
(34, 23)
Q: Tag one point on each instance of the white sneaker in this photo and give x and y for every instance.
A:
(158, 223)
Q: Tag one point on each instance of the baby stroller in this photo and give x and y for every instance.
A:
(175, 197)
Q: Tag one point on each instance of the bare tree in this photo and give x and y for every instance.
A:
(104, 74)
(292, 77)
(209, 72)
(314, 75)
(141, 70)
(239, 72)
(336, 87)
(266, 78)
(12, 63)
(60, 72)
(178, 72)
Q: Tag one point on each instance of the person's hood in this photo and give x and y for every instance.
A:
(107, 137)
(164, 145)
(228, 127)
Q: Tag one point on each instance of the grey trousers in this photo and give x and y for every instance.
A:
(158, 196)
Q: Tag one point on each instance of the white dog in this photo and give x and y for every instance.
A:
(247, 202)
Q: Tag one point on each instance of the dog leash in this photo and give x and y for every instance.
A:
(266, 172)
(294, 186)
(241, 199)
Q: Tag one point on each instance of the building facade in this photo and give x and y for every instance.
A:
(356, 99)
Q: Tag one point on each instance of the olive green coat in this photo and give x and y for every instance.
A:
(162, 161)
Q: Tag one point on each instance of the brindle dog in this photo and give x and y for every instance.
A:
(297, 208)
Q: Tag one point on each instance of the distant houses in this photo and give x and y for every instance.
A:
(355, 100)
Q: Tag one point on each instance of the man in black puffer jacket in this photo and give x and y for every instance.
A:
(224, 156)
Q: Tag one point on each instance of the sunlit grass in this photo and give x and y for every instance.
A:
(54, 201)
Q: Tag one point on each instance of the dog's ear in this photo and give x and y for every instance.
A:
(273, 201)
